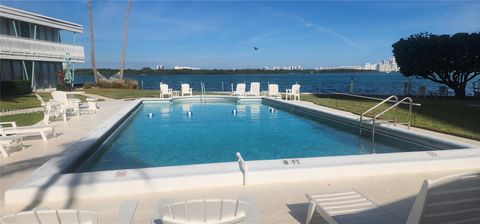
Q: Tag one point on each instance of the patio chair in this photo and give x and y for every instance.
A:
(273, 91)
(186, 90)
(165, 91)
(24, 130)
(212, 211)
(60, 97)
(293, 93)
(346, 206)
(68, 216)
(240, 90)
(421, 92)
(48, 216)
(8, 142)
(254, 89)
(451, 199)
(441, 92)
(51, 109)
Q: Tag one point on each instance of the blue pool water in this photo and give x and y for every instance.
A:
(214, 134)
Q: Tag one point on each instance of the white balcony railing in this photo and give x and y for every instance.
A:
(17, 48)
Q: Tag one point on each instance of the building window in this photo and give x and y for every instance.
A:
(25, 29)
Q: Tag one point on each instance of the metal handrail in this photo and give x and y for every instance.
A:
(243, 167)
(202, 91)
(374, 107)
(396, 114)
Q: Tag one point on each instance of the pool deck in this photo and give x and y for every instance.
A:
(278, 203)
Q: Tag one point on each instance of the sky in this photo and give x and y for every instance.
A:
(223, 34)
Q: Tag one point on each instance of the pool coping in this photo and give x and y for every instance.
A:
(52, 184)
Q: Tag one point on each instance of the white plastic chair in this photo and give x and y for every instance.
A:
(211, 211)
(273, 91)
(69, 216)
(346, 206)
(442, 92)
(451, 199)
(60, 97)
(254, 89)
(186, 90)
(421, 91)
(26, 130)
(64, 216)
(293, 93)
(240, 90)
(9, 142)
(51, 109)
(165, 91)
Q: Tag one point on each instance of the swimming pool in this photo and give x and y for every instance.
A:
(162, 134)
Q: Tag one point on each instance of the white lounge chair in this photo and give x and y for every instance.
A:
(186, 90)
(26, 130)
(273, 91)
(346, 206)
(47, 216)
(293, 93)
(240, 90)
(211, 211)
(254, 89)
(165, 91)
(441, 92)
(451, 199)
(421, 92)
(68, 216)
(60, 97)
(7, 142)
(51, 109)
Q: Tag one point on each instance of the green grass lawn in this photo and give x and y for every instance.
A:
(122, 93)
(28, 101)
(450, 116)
(23, 119)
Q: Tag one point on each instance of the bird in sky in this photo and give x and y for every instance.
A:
(255, 48)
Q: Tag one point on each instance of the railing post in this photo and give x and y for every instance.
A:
(243, 167)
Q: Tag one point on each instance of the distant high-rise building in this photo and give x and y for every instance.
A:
(160, 67)
(185, 68)
(383, 66)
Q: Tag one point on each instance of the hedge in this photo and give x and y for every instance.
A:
(15, 87)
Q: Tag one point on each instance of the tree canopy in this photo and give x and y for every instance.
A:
(452, 60)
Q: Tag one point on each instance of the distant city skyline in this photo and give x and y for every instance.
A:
(224, 35)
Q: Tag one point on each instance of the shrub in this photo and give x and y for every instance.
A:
(15, 87)
(88, 85)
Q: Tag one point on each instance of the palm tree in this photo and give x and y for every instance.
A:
(125, 30)
(92, 47)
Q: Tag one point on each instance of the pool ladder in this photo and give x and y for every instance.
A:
(391, 98)
(202, 94)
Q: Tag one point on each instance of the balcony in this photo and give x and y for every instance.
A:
(17, 48)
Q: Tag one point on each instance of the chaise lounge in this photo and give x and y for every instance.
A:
(240, 90)
(452, 199)
(26, 130)
(254, 89)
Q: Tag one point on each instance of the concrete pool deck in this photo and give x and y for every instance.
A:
(275, 200)
(22, 163)
(277, 203)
